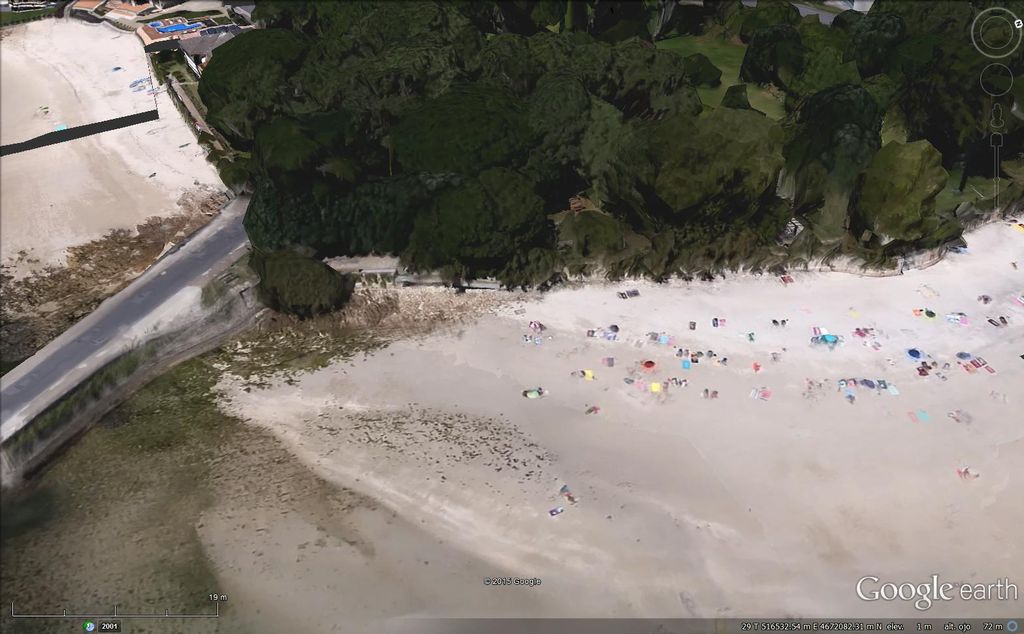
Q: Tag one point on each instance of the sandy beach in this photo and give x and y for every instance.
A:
(61, 73)
(685, 506)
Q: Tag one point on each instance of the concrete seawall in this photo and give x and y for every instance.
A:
(34, 443)
(164, 300)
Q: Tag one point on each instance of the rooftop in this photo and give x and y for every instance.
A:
(203, 42)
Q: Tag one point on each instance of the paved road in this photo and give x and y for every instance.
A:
(35, 383)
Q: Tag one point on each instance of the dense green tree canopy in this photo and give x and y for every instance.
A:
(718, 167)
(249, 80)
(293, 283)
(469, 128)
(479, 225)
(897, 196)
(458, 134)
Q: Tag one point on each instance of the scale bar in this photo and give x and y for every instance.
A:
(116, 615)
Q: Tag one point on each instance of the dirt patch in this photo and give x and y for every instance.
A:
(37, 308)
(286, 345)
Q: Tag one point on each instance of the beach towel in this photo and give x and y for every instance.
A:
(655, 388)
(764, 395)
(608, 362)
(686, 364)
(892, 390)
(588, 375)
(923, 416)
(913, 417)
(663, 339)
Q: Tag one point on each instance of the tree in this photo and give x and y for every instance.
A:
(942, 18)
(376, 216)
(872, 40)
(557, 111)
(765, 15)
(941, 100)
(831, 138)
(896, 198)
(468, 129)
(716, 168)
(247, 82)
(822, 70)
(294, 283)
(480, 225)
(647, 82)
(736, 97)
(775, 56)
(700, 71)
(615, 160)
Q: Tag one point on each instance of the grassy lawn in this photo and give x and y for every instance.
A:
(728, 57)
(17, 17)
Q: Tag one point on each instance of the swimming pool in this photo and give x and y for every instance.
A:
(174, 28)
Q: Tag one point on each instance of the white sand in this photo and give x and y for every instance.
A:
(690, 506)
(67, 194)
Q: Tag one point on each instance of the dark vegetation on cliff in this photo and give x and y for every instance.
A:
(525, 140)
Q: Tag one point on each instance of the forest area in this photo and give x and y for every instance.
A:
(533, 141)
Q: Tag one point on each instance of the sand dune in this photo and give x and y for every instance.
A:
(691, 506)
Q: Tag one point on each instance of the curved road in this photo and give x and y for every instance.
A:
(32, 386)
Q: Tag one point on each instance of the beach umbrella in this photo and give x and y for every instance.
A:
(914, 353)
(930, 314)
(964, 356)
(830, 338)
(649, 364)
(613, 328)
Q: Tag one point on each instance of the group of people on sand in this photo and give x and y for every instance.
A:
(696, 356)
